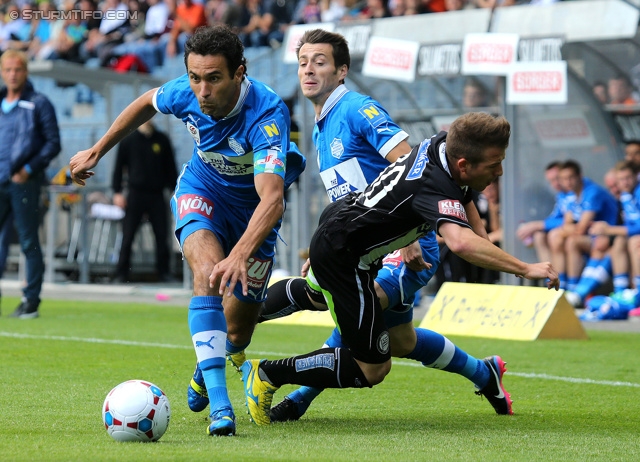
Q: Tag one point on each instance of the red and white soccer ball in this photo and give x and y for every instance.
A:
(136, 410)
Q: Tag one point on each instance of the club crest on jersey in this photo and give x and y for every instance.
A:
(452, 208)
(337, 148)
(193, 203)
(194, 131)
(271, 131)
(235, 146)
(373, 115)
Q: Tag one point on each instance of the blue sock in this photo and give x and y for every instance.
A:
(572, 282)
(563, 280)
(436, 351)
(232, 349)
(620, 282)
(303, 396)
(209, 334)
(595, 273)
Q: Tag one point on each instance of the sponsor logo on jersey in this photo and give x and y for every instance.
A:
(337, 148)
(421, 161)
(235, 146)
(326, 360)
(373, 115)
(257, 272)
(270, 164)
(271, 132)
(339, 188)
(452, 208)
(242, 165)
(393, 259)
(193, 203)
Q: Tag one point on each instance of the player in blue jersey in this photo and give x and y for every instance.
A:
(355, 139)
(228, 201)
(536, 232)
(570, 242)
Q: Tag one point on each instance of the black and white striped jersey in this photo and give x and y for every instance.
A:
(410, 197)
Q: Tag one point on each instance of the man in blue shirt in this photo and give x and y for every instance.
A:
(356, 139)
(228, 201)
(29, 141)
(571, 241)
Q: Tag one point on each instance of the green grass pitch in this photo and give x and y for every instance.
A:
(573, 400)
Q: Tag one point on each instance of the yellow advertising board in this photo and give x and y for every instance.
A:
(506, 312)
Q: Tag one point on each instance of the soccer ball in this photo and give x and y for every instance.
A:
(136, 410)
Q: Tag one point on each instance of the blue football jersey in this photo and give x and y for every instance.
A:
(352, 136)
(253, 138)
(595, 198)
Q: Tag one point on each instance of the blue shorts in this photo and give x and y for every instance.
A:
(196, 207)
(401, 284)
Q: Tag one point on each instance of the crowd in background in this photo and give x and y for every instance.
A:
(155, 29)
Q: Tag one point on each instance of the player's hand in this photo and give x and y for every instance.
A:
(412, 257)
(81, 164)
(543, 270)
(305, 268)
(229, 272)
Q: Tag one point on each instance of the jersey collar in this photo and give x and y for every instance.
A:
(332, 100)
(442, 153)
(244, 91)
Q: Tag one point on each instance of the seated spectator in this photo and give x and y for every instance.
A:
(536, 232)
(65, 43)
(276, 19)
(151, 47)
(114, 25)
(215, 10)
(188, 17)
(16, 33)
(493, 3)
(570, 242)
(375, 9)
(600, 92)
(620, 90)
(632, 154)
(310, 12)
(406, 7)
(334, 10)
(489, 208)
(617, 242)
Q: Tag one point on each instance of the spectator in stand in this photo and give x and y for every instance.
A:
(570, 242)
(248, 22)
(600, 92)
(65, 43)
(632, 154)
(334, 10)
(114, 25)
(375, 9)
(216, 10)
(535, 232)
(406, 7)
(455, 5)
(275, 21)
(488, 204)
(188, 17)
(89, 18)
(151, 47)
(16, 31)
(614, 244)
(309, 12)
(620, 90)
(493, 3)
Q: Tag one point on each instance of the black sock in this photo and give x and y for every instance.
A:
(284, 298)
(324, 368)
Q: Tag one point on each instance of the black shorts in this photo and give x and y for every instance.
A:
(350, 295)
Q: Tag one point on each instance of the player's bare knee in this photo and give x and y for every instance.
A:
(375, 373)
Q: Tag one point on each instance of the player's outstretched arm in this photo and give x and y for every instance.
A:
(233, 269)
(134, 115)
(468, 245)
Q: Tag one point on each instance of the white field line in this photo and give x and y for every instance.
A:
(529, 375)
